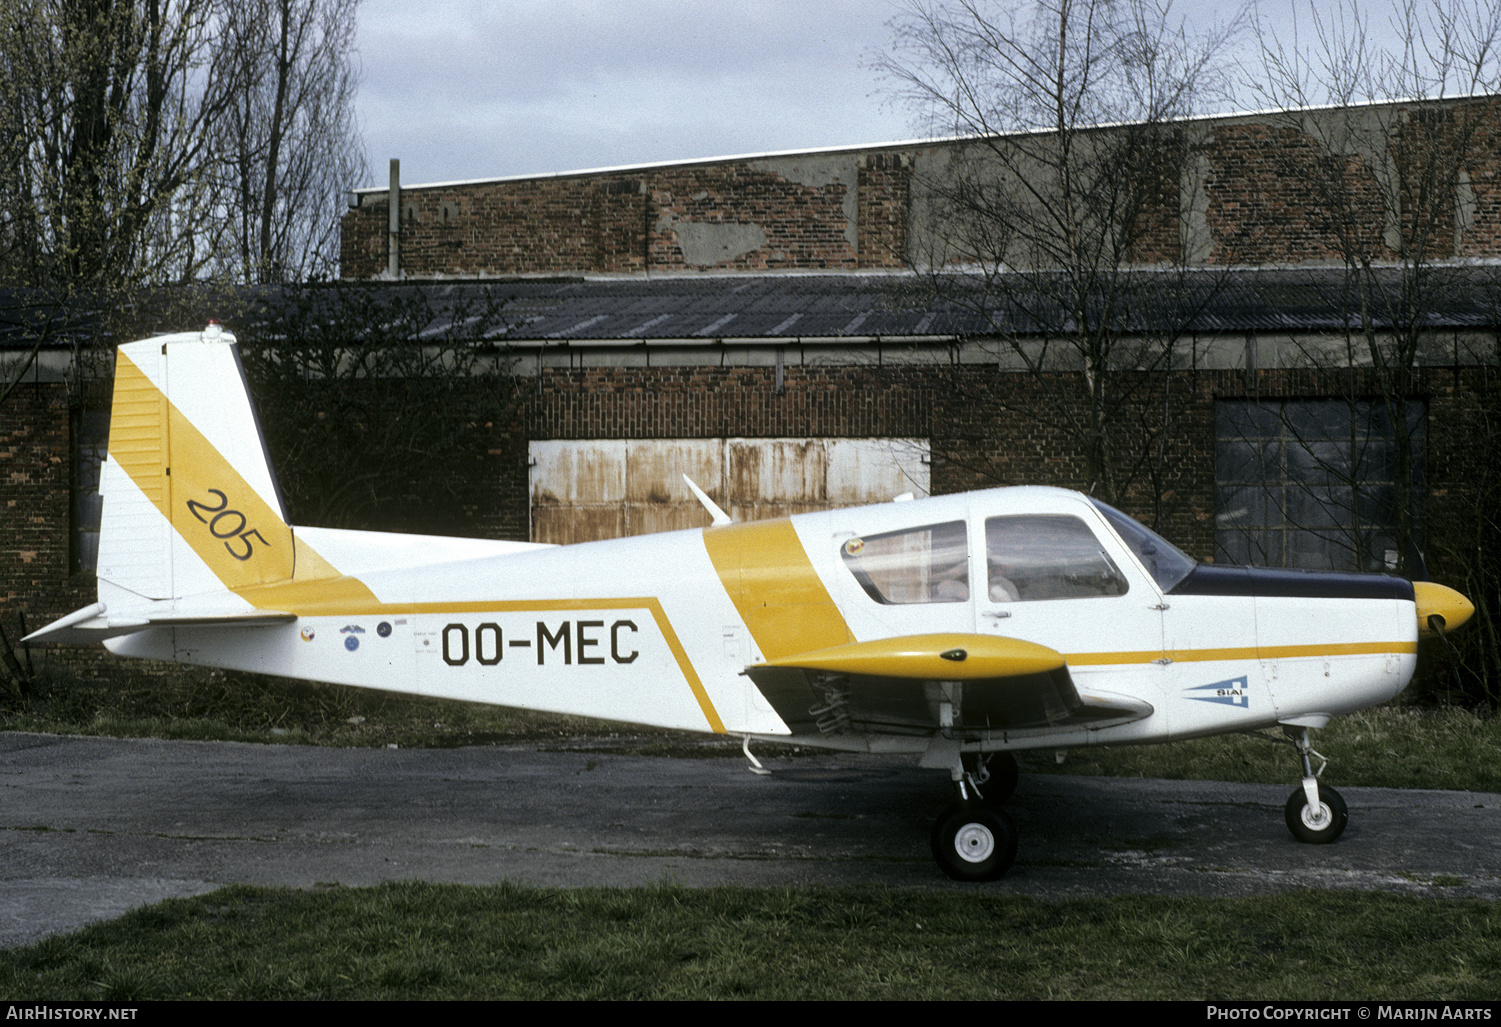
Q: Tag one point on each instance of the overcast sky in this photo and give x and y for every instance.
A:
(468, 89)
(461, 89)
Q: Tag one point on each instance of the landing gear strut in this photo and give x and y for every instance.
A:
(991, 776)
(1315, 813)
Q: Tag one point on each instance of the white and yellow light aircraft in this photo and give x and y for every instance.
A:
(960, 629)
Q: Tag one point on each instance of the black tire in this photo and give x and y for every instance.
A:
(1004, 774)
(1319, 830)
(974, 843)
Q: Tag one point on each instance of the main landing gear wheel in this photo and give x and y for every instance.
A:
(974, 843)
(997, 782)
(1317, 826)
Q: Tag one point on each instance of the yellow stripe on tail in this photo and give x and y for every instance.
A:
(193, 475)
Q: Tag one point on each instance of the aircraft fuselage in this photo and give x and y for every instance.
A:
(659, 629)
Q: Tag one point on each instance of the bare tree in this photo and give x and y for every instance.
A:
(1470, 511)
(151, 141)
(1060, 216)
(1387, 141)
(112, 100)
(288, 140)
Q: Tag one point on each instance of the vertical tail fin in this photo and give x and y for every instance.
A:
(191, 503)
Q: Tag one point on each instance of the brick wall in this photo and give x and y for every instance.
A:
(713, 402)
(734, 215)
(990, 428)
(35, 509)
(885, 208)
(1263, 201)
(1258, 201)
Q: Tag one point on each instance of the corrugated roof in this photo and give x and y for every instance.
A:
(27, 313)
(832, 306)
(861, 306)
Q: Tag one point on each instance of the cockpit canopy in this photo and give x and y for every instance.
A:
(1028, 556)
(1165, 562)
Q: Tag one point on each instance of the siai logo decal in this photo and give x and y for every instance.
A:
(351, 629)
(1228, 693)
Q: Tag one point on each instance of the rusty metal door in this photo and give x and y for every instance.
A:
(587, 489)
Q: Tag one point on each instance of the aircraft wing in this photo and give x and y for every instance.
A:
(918, 684)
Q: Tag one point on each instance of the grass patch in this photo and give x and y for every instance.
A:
(209, 705)
(417, 941)
(197, 704)
(1385, 747)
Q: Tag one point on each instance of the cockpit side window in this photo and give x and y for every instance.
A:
(1047, 556)
(929, 564)
(1165, 562)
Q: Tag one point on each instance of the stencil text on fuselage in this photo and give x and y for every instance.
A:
(574, 642)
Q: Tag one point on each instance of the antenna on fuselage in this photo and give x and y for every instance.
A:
(720, 517)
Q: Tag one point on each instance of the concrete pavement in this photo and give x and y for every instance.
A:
(90, 827)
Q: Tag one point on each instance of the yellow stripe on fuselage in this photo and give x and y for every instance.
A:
(1266, 652)
(768, 576)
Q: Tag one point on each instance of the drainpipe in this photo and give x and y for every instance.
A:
(393, 224)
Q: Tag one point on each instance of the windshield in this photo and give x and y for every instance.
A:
(1167, 564)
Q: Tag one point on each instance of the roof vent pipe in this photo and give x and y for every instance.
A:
(393, 224)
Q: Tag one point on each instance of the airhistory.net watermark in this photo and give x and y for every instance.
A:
(39, 1011)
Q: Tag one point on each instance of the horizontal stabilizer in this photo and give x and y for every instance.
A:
(95, 623)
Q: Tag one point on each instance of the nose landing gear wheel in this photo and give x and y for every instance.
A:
(974, 844)
(1317, 826)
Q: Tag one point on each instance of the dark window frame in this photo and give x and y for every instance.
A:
(1311, 482)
